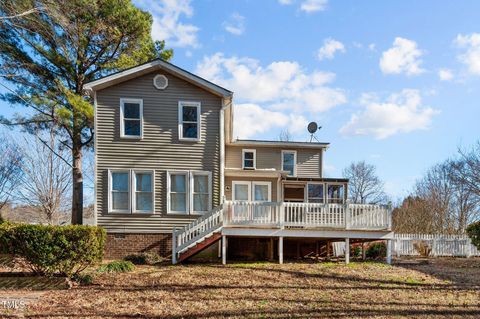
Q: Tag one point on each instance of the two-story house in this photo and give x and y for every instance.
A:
(170, 177)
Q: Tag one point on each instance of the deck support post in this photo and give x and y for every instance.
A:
(224, 249)
(347, 250)
(174, 246)
(389, 251)
(280, 250)
(270, 249)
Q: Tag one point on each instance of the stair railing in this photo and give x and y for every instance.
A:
(196, 230)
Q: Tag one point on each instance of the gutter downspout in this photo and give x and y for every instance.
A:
(222, 150)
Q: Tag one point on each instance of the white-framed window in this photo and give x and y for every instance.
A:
(262, 191)
(177, 192)
(189, 123)
(249, 159)
(336, 193)
(189, 192)
(143, 190)
(315, 192)
(241, 191)
(119, 191)
(131, 118)
(256, 191)
(289, 162)
(201, 191)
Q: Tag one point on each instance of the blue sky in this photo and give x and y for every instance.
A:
(392, 83)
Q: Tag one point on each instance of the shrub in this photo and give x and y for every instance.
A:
(376, 250)
(356, 251)
(148, 258)
(54, 250)
(84, 279)
(117, 266)
(473, 231)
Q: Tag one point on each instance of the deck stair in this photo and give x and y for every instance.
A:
(198, 235)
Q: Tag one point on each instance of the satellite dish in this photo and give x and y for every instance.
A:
(312, 127)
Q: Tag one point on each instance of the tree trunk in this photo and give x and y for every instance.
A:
(77, 185)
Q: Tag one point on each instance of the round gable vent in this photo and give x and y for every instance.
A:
(160, 81)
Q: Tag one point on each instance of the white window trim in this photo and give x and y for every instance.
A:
(181, 104)
(249, 189)
(324, 191)
(122, 122)
(191, 192)
(294, 161)
(187, 186)
(269, 184)
(134, 191)
(254, 158)
(110, 197)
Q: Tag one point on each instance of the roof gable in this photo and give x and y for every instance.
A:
(148, 67)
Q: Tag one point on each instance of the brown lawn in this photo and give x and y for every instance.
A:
(443, 288)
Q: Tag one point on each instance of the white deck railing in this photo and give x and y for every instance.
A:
(307, 215)
(196, 231)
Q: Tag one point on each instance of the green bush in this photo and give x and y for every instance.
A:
(473, 231)
(54, 250)
(148, 258)
(376, 250)
(117, 266)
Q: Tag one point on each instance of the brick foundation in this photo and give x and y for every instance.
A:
(124, 244)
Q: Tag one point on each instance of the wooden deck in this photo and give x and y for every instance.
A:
(284, 220)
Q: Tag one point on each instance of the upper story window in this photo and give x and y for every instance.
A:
(131, 118)
(289, 162)
(189, 126)
(249, 159)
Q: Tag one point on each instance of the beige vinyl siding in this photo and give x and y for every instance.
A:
(308, 160)
(160, 148)
(230, 179)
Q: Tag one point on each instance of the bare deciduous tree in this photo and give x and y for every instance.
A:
(46, 182)
(441, 202)
(10, 158)
(364, 185)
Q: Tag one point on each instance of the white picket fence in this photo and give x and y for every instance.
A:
(442, 245)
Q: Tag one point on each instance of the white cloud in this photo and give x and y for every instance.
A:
(445, 74)
(329, 48)
(251, 119)
(372, 47)
(281, 84)
(313, 5)
(278, 95)
(166, 22)
(400, 113)
(471, 56)
(285, 2)
(235, 25)
(403, 57)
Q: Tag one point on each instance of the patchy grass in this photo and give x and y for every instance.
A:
(443, 288)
